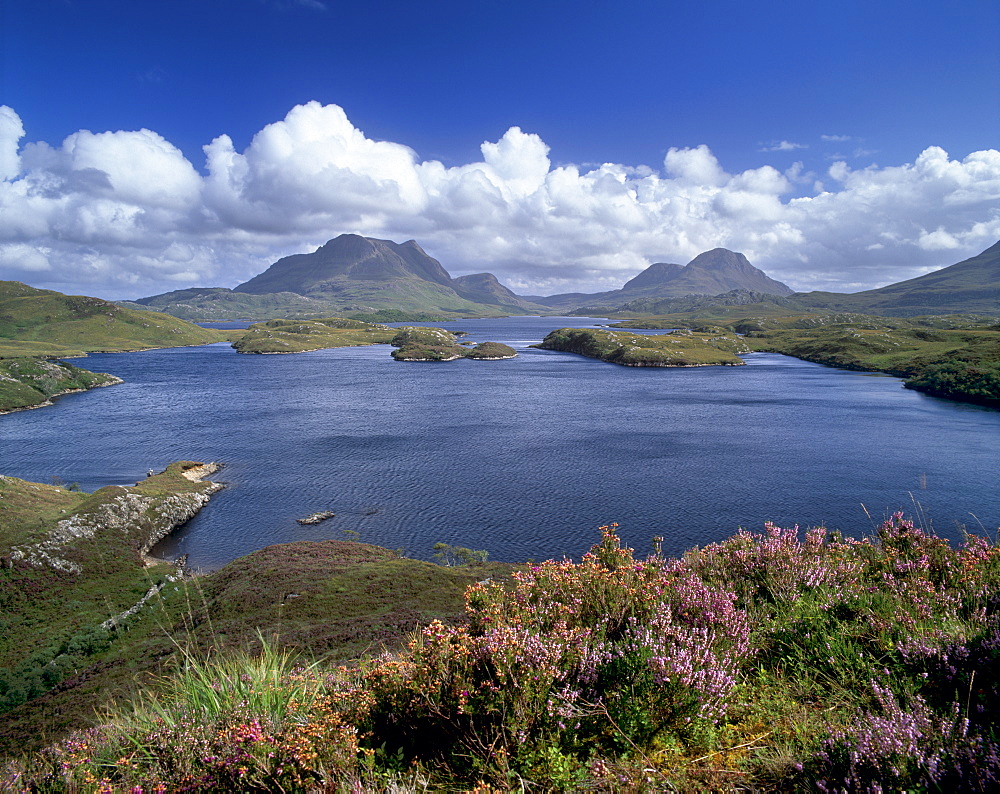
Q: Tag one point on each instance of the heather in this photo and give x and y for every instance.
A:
(778, 660)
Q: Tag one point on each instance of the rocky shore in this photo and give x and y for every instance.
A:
(140, 515)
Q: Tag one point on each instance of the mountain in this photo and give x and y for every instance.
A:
(484, 288)
(970, 286)
(348, 257)
(350, 274)
(714, 272)
(202, 304)
(719, 270)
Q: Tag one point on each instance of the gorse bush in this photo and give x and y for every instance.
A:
(768, 661)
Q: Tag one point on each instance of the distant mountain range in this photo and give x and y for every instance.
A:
(712, 273)
(355, 275)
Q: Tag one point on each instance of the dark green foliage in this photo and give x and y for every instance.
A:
(960, 380)
(450, 555)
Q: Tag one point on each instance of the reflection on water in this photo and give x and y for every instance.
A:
(524, 458)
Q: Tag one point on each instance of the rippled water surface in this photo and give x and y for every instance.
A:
(524, 458)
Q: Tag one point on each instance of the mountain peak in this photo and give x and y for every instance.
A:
(349, 257)
(656, 274)
(719, 258)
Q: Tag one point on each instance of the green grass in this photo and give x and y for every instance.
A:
(41, 322)
(56, 589)
(300, 336)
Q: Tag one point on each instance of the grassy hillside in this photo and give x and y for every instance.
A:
(768, 662)
(31, 382)
(205, 304)
(972, 285)
(676, 349)
(69, 561)
(956, 363)
(45, 323)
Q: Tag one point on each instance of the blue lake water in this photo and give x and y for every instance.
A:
(524, 458)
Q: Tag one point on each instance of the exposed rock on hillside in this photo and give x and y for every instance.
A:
(142, 519)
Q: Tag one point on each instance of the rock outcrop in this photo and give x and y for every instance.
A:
(141, 515)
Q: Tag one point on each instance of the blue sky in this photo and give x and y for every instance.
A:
(840, 145)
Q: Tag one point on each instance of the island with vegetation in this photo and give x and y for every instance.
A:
(702, 347)
(951, 356)
(303, 336)
(33, 382)
(418, 343)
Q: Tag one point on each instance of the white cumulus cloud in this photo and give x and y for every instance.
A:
(125, 214)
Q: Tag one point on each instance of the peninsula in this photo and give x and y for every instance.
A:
(39, 325)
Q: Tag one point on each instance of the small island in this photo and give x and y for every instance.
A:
(303, 336)
(417, 343)
(684, 348)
